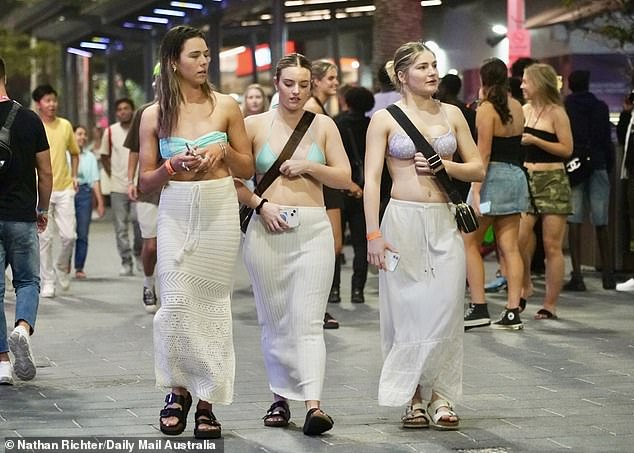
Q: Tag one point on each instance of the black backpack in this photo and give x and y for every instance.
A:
(6, 155)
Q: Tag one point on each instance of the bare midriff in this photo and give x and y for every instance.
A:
(407, 185)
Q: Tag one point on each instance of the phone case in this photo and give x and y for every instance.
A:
(391, 260)
(290, 216)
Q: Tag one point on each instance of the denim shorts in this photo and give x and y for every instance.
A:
(506, 188)
(594, 193)
(550, 192)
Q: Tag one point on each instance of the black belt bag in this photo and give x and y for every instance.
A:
(465, 215)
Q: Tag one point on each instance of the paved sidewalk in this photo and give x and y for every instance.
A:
(564, 385)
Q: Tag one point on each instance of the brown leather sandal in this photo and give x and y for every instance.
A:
(185, 402)
(278, 415)
(207, 418)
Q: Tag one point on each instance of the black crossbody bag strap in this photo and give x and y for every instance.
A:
(422, 145)
(288, 150)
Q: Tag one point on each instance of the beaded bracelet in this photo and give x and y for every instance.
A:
(169, 168)
(373, 235)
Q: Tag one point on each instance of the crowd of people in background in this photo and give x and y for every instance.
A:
(179, 168)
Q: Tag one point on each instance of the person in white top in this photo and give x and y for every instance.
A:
(114, 157)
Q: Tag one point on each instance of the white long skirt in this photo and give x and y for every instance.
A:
(198, 242)
(291, 273)
(421, 303)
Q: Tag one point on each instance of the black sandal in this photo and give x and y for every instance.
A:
(317, 422)
(330, 322)
(207, 418)
(278, 415)
(178, 412)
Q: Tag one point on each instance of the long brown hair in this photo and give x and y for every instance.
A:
(495, 81)
(169, 92)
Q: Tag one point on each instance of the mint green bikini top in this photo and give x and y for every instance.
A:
(266, 157)
(171, 146)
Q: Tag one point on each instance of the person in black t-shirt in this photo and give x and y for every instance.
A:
(20, 221)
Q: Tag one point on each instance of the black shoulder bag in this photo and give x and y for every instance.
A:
(6, 155)
(465, 215)
(272, 173)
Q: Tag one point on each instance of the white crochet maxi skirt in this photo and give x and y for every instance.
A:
(421, 303)
(198, 242)
(291, 274)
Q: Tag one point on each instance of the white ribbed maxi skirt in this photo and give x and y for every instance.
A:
(421, 303)
(198, 243)
(291, 273)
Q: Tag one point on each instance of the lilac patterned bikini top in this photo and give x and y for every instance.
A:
(400, 146)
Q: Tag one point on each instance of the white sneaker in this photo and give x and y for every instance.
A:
(626, 286)
(6, 373)
(63, 278)
(126, 270)
(48, 290)
(20, 346)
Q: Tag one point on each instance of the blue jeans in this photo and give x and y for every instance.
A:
(592, 195)
(20, 249)
(83, 213)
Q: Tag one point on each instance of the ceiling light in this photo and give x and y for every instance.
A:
(360, 9)
(81, 53)
(93, 45)
(169, 12)
(499, 29)
(309, 2)
(431, 3)
(152, 19)
(186, 5)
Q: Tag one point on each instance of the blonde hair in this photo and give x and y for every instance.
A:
(544, 79)
(265, 102)
(319, 68)
(404, 57)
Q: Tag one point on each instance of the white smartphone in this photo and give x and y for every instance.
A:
(485, 207)
(290, 216)
(391, 260)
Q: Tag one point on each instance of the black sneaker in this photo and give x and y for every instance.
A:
(334, 297)
(357, 296)
(477, 315)
(149, 300)
(575, 284)
(509, 320)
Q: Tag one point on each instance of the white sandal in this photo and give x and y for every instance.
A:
(439, 410)
(415, 417)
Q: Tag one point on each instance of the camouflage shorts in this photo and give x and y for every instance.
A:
(550, 192)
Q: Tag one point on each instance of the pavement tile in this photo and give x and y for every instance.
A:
(566, 385)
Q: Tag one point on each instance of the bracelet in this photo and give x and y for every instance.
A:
(259, 207)
(169, 168)
(42, 211)
(131, 182)
(373, 235)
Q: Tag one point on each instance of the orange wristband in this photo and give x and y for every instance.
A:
(373, 235)
(169, 168)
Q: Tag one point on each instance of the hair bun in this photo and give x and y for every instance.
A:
(389, 68)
